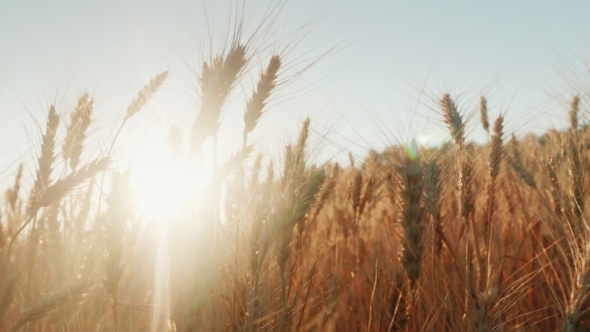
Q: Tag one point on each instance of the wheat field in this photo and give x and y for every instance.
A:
(458, 237)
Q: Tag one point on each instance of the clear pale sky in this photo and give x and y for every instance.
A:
(378, 87)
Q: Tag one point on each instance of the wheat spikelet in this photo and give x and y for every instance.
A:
(46, 159)
(555, 189)
(494, 168)
(484, 305)
(465, 185)
(576, 170)
(355, 186)
(453, 119)
(85, 206)
(411, 181)
(63, 186)
(432, 188)
(299, 151)
(496, 151)
(515, 162)
(11, 195)
(313, 182)
(577, 178)
(367, 194)
(256, 103)
(146, 94)
(483, 112)
(216, 81)
(573, 113)
(326, 190)
(454, 122)
(76, 133)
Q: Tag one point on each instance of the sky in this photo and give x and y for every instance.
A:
(382, 67)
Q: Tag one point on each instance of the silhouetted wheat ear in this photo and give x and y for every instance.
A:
(46, 159)
(453, 119)
(63, 186)
(326, 190)
(76, 133)
(356, 182)
(216, 81)
(483, 113)
(11, 195)
(146, 93)
(496, 152)
(367, 193)
(411, 182)
(256, 103)
(466, 195)
(494, 169)
(573, 113)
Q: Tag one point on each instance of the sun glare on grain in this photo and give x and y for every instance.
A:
(164, 186)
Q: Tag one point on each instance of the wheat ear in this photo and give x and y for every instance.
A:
(216, 81)
(576, 170)
(45, 160)
(483, 113)
(411, 182)
(494, 169)
(256, 103)
(146, 93)
(76, 133)
(11, 195)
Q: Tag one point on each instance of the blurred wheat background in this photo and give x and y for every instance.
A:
(238, 213)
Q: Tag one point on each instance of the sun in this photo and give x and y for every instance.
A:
(165, 186)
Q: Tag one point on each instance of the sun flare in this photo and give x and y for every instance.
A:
(164, 186)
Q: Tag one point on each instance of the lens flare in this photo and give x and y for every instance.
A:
(164, 186)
